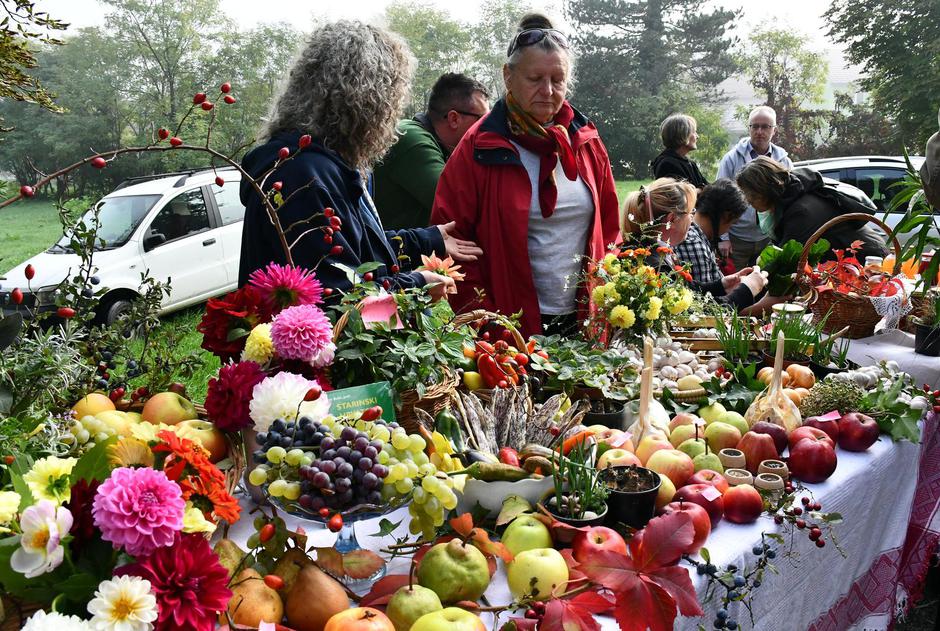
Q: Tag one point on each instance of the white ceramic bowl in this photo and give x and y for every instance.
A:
(490, 495)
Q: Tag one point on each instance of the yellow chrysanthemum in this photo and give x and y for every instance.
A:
(610, 264)
(195, 521)
(258, 347)
(48, 479)
(682, 302)
(9, 504)
(652, 312)
(622, 317)
(598, 293)
(130, 452)
(647, 271)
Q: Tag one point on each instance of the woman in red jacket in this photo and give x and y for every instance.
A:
(531, 184)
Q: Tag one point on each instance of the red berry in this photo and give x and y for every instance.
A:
(283, 153)
(800, 524)
(815, 533)
(327, 239)
(368, 276)
(116, 394)
(804, 500)
(395, 269)
(29, 272)
(778, 519)
(816, 506)
(274, 581)
(277, 186)
(65, 312)
(27, 191)
(175, 141)
(305, 141)
(142, 391)
(225, 88)
(9, 459)
(219, 181)
(327, 230)
(336, 223)
(336, 250)
(554, 431)
(328, 212)
(820, 543)
(371, 414)
(797, 510)
(163, 134)
(207, 105)
(324, 512)
(98, 162)
(386, 284)
(199, 98)
(266, 532)
(486, 335)
(336, 523)
(229, 99)
(16, 296)
(531, 614)
(313, 393)
(327, 291)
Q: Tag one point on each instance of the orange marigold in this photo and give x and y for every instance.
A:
(444, 267)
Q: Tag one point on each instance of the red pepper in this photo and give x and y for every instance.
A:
(485, 347)
(508, 455)
(522, 359)
(489, 370)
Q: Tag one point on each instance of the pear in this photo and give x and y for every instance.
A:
(314, 599)
(289, 566)
(410, 603)
(455, 571)
(230, 555)
(252, 601)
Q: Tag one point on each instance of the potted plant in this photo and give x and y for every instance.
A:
(927, 333)
(632, 492)
(800, 335)
(735, 335)
(830, 355)
(579, 498)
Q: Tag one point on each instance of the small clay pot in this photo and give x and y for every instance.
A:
(738, 476)
(732, 458)
(769, 483)
(777, 467)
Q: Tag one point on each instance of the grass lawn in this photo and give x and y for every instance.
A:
(628, 186)
(26, 229)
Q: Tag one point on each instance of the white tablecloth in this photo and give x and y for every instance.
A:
(899, 346)
(817, 588)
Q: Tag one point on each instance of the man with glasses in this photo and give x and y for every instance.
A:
(746, 239)
(406, 178)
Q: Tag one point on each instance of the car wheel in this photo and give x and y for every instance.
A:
(113, 309)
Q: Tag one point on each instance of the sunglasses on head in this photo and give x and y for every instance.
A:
(534, 36)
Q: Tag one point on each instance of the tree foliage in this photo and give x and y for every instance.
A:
(855, 129)
(640, 60)
(898, 44)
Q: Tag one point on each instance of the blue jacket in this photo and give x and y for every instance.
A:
(746, 228)
(329, 182)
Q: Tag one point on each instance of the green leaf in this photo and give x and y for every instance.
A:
(386, 527)
(774, 536)
(781, 263)
(236, 334)
(93, 465)
(706, 556)
(832, 518)
(365, 268)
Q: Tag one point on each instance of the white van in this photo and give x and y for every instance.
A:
(180, 227)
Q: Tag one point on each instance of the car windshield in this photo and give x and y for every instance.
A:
(118, 218)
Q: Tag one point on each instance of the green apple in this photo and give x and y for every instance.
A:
(537, 573)
(733, 419)
(692, 447)
(449, 619)
(455, 571)
(711, 412)
(708, 460)
(683, 433)
(410, 603)
(525, 532)
(720, 436)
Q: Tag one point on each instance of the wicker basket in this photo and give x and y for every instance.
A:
(436, 397)
(485, 394)
(845, 310)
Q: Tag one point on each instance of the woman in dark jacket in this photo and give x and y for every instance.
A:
(680, 137)
(794, 204)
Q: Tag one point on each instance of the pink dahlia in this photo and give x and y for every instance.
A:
(140, 509)
(189, 582)
(284, 286)
(303, 332)
(229, 395)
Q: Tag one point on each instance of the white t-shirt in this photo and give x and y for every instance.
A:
(557, 243)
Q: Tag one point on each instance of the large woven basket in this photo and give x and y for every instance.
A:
(435, 399)
(485, 394)
(845, 310)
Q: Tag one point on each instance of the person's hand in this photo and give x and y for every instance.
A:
(763, 305)
(754, 279)
(438, 285)
(724, 248)
(458, 249)
(731, 281)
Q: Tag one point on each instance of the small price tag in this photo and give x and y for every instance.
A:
(830, 416)
(699, 421)
(620, 440)
(711, 493)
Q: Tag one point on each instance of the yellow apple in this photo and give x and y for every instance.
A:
(449, 619)
(169, 408)
(525, 532)
(735, 420)
(682, 418)
(672, 463)
(650, 445)
(91, 404)
(207, 435)
(617, 457)
(683, 433)
(711, 412)
(666, 492)
(537, 573)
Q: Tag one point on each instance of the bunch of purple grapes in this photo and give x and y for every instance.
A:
(347, 472)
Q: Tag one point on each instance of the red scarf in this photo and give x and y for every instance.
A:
(550, 142)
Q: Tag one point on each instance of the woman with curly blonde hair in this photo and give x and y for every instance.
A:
(658, 216)
(338, 107)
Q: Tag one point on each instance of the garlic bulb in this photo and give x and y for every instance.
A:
(772, 405)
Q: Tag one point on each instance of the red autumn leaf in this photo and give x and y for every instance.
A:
(330, 561)
(638, 609)
(675, 579)
(856, 245)
(573, 614)
(665, 539)
(574, 574)
(383, 589)
(610, 569)
(462, 525)
(520, 624)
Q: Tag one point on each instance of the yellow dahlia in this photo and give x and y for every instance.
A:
(652, 312)
(195, 521)
(48, 479)
(258, 347)
(622, 317)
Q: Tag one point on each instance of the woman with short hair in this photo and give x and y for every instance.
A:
(346, 92)
(531, 183)
(680, 137)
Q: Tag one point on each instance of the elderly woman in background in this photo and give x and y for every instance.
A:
(680, 137)
(339, 107)
(531, 183)
(660, 214)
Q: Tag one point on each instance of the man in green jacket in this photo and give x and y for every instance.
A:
(405, 180)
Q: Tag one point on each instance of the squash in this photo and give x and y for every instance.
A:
(801, 376)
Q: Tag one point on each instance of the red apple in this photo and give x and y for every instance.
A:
(828, 425)
(707, 476)
(682, 418)
(857, 432)
(650, 445)
(700, 522)
(809, 432)
(757, 448)
(597, 539)
(813, 459)
(743, 504)
(694, 493)
(777, 432)
(672, 463)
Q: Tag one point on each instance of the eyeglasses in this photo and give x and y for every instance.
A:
(473, 114)
(534, 36)
(761, 127)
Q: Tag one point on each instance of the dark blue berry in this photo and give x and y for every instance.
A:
(733, 595)
(732, 568)
(286, 442)
(712, 569)
(132, 364)
(756, 583)
(87, 292)
(731, 624)
(102, 383)
(771, 554)
(94, 280)
(261, 437)
(739, 581)
(722, 614)
(719, 624)
(757, 550)
(279, 425)
(106, 355)
(701, 569)
(273, 438)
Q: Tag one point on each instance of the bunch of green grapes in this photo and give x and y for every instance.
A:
(431, 501)
(85, 433)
